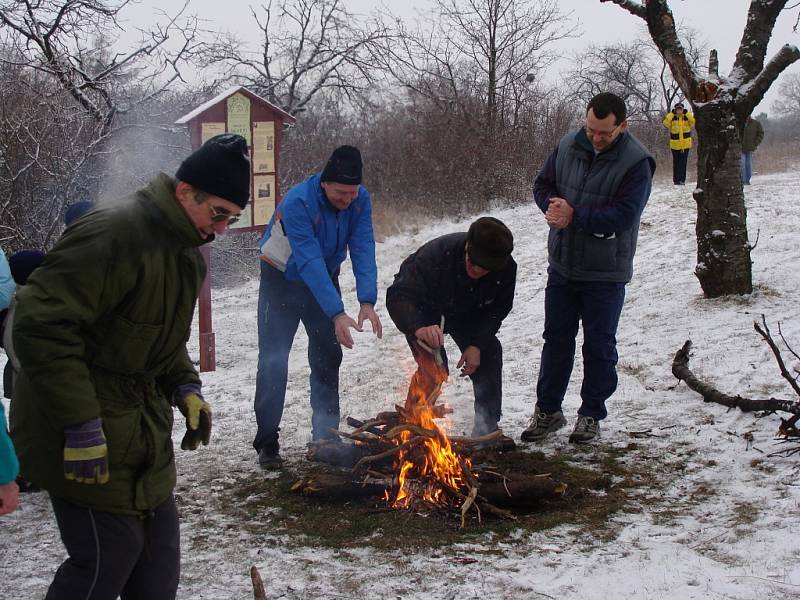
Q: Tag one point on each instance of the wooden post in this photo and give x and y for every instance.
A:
(261, 124)
(208, 355)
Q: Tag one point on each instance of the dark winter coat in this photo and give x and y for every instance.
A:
(752, 135)
(608, 192)
(100, 330)
(433, 281)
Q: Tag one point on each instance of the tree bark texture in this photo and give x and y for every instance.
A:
(723, 250)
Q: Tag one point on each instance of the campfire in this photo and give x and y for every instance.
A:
(406, 459)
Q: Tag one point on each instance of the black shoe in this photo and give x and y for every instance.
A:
(269, 458)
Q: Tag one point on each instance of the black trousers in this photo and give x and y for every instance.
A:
(114, 555)
(487, 380)
(679, 160)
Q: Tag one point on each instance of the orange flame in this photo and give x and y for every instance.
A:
(426, 469)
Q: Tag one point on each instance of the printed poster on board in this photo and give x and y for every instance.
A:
(209, 130)
(264, 147)
(263, 198)
(239, 116)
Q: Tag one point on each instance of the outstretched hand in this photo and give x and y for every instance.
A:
(367, 313)
(342, 324)
(469, 361)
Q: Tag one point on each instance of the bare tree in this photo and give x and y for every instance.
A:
(476, 62)
(65, 92)
(71, 40)
(721, 106)
(788, 104)
(308, 48)
(628, 69)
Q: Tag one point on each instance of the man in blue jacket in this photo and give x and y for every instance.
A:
(592, 190)
(306, 241)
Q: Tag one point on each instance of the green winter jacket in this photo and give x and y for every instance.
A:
(752, 135)
(100, 330)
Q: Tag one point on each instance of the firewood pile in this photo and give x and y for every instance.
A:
(403, 458)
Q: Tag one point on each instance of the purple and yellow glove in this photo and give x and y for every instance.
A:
(86, 453)
(198, 417)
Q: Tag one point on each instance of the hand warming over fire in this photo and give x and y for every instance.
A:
(432, 336)
(469, 361)
(342, 324)
(367, 313)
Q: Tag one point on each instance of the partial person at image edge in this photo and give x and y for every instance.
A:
(104, 365)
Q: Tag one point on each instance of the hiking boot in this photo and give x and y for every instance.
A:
(268, 457)
(543, 424)
(586, 429)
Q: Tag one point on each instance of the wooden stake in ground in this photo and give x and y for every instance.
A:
(259, 593)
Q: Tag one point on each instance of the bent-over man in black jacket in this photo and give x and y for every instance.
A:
(469, 279)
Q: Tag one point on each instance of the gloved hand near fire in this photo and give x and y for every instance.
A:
(198, 416)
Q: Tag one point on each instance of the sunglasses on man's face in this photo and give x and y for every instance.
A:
(219, 214)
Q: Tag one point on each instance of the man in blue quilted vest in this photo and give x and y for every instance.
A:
(592, 190)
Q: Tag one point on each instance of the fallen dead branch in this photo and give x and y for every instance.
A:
(788, 427)
(680, 369)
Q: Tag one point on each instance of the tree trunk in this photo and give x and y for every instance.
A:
(723, 250)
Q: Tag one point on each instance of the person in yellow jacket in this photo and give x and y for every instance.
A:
(680, 124)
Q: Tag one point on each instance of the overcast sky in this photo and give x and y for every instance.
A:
(721, 23)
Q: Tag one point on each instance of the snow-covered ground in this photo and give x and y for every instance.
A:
(737, 539)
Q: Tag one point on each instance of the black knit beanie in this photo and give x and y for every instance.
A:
(220, 167)
(490, 243)
(23, 263)
(344, 166)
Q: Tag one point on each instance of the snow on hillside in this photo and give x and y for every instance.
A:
(680, 545)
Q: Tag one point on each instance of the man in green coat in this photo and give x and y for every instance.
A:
(752, 135)
(99, 334)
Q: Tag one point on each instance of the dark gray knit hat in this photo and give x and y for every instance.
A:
(344, 166)
(490, 243)
(220, 167)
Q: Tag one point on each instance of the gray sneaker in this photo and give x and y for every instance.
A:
(586, 429)
(542, 424)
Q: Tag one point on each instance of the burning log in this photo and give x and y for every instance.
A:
(339, 486)
(406, 459)
(521, 491)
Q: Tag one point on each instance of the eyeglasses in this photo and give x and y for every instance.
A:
(603, 135)
(219, 214)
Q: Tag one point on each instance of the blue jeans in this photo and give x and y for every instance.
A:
(598, 305)
(281, 306)
(747, 166)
